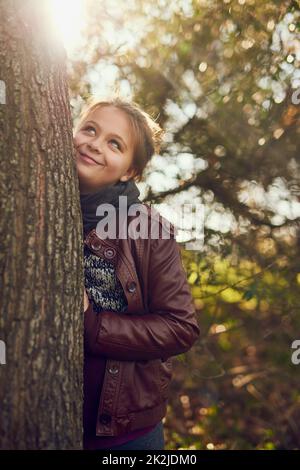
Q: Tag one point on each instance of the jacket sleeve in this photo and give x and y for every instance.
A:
(169, 329)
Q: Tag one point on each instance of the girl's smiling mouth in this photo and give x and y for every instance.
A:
(87, 159)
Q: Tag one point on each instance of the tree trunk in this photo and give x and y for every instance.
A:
(41, 267)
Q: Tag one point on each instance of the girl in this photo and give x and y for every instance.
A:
(138, 310)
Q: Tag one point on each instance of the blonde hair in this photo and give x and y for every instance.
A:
(147, 133)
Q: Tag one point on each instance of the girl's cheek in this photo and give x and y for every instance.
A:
(77, 139)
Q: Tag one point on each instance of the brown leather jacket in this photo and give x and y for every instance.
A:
(138, 344)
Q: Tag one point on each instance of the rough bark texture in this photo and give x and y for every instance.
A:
(40, 234)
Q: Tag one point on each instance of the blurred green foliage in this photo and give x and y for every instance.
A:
(237, 388)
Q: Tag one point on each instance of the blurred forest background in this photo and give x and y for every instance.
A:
(223, 79)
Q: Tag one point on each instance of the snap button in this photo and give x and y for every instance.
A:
(105, 418)
(109, 253)
(96, 245)
(113, 370)
(131, 286)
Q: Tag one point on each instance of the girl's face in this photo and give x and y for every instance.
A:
(104, 149)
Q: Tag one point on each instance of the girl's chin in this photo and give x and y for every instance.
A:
(85, 171)
(86, 176)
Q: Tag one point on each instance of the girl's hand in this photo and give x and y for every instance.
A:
(85, 301)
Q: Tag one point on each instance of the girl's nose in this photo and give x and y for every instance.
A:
(95, 146)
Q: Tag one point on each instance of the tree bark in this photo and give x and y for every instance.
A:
(41, 266)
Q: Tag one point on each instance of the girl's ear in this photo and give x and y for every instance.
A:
(128, 175)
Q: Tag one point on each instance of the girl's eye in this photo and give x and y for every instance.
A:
(116, 142)
(89, 128)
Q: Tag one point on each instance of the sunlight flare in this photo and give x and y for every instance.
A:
(68, 17)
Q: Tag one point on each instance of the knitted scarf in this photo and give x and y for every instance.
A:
(108, 195)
